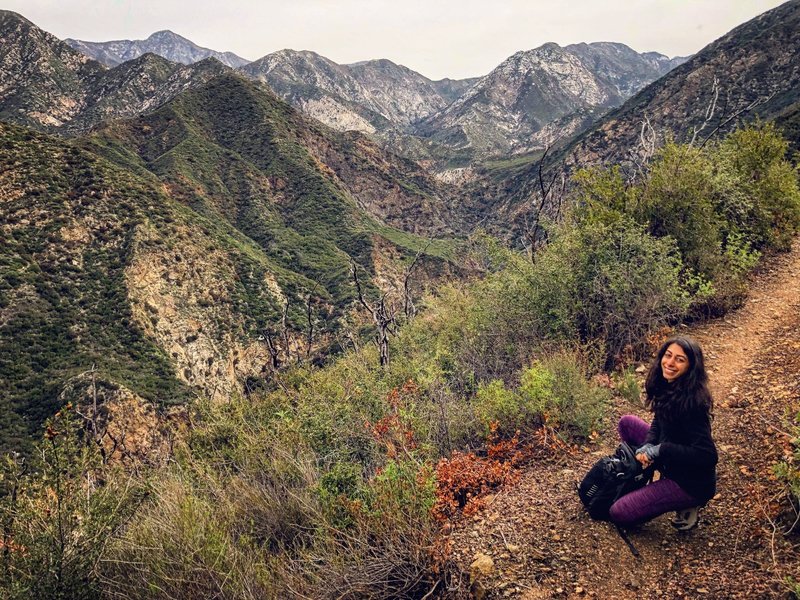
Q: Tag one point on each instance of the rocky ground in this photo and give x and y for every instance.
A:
(533, 540)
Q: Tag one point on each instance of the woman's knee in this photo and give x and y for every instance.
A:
(632, 429)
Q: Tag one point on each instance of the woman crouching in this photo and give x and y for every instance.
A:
(678, 443)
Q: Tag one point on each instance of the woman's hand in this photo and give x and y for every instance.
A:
(647, 454)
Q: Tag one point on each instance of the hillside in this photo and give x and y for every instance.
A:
(231, 142)
(175, 285)
(49, 86)
(538, 96)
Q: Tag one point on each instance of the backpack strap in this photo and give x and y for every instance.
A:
(624, 535)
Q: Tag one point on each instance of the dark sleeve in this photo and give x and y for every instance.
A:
(654, 435)
(696, 448)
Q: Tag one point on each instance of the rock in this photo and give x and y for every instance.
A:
(480, 571)
(512, 548)
(482, 566)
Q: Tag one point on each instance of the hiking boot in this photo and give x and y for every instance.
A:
(685, 519)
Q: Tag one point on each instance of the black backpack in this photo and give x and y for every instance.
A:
(609, 479)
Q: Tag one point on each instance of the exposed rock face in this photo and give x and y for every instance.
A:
(47, 85)
(162, 43)
(368, 96)
(129, 429)
(139, 86)
(509, 110)
(182, 299)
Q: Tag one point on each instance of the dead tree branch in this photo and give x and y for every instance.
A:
(541, 200)
(382, 315)
(741, 111)
(712, 106)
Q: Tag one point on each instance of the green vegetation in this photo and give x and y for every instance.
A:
(62, 289)
(327, 484)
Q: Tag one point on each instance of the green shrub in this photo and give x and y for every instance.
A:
(58, 515)
(627, 386)
(763, 200)
(559, 389)
(619, 284)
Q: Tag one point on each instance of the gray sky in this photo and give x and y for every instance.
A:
(438, 38)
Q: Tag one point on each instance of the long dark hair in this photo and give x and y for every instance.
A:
(687, 394)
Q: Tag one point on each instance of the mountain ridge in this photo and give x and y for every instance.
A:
(165, 43)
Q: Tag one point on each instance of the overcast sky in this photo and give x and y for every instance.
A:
(438, 38)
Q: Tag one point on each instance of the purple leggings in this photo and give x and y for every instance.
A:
(653, 499)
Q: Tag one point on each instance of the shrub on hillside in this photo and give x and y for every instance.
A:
(618, 283)
(553, 391)
(677, 202)
(759, 193)
(58, 513)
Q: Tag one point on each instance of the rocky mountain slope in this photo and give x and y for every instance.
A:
(189, 250)
(370, 96)
(751, 72)
(43, 82)
(197, 262)
(538, 96)
(48, 85)
(167, 44)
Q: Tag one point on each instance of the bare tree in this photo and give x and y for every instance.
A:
(285, 330)
(548, 196)
(273, 350)
(382, 315)
(641, 154)
(712, 106)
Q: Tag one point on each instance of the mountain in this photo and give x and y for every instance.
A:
(370, 96)
(535, 97)
(181, 251)
(50, 86)
(190, 247)
(167, 44)
(43, 83)
(756, 67)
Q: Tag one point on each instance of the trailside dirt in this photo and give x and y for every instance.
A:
(543, 545)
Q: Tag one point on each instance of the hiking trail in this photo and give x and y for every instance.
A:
(544, 545)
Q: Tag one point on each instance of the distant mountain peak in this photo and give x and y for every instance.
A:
(166, 43)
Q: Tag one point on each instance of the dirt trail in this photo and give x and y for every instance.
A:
(544, 546)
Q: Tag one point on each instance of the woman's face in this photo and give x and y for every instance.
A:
(674, 363)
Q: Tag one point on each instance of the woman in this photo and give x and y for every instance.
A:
(678, 443)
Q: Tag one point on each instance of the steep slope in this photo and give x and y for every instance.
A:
(233, 139)
(756, 64)
(757, 70)
(536, 96)
(50, 86)
(43, 83)
(96, 261)
(319, 88)
(195, 265)
(371, 96)
(166, 44)
(138, 86)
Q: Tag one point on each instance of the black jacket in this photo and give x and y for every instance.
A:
(688, 455)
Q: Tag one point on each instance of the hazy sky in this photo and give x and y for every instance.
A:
(438, 38)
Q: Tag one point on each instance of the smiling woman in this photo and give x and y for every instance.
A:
(678, 443)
